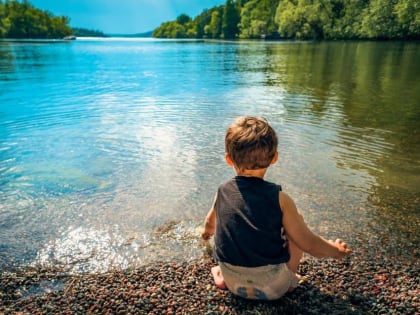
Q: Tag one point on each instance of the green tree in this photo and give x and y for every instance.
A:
(4, 21)
(214, 28)
(241, 3)
(172, 30)
(200, 23)
(182, 27)
(22, 20)
(258, 19)
(408, 16)
(183, 19)
(379, 20)
(304, 18)
(230, 20)
(347, 19)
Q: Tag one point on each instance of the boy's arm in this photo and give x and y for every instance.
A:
(304, 238)
(209, 223)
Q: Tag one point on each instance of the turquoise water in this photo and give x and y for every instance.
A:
(111, 150)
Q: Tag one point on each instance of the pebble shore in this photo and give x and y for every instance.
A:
(352, 286)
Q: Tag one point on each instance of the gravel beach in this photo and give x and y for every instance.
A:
(353, 286)
(381, 276)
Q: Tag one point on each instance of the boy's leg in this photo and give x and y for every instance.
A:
(218, 277)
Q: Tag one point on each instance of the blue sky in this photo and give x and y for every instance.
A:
(123, 16)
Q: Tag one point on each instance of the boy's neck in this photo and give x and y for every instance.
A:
(260, 173)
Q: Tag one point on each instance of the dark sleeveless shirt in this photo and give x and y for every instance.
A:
(249, 223)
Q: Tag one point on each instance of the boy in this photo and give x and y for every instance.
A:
(259, 234)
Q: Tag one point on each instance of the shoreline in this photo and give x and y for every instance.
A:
(357, 285)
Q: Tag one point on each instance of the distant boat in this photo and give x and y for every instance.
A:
(70, 37)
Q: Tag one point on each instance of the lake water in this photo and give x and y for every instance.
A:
(111, 149)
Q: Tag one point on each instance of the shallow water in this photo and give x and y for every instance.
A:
(111, 150)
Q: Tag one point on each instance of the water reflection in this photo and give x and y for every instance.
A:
(80, 249)
(6, 61)
(367, 93)
(7, 70)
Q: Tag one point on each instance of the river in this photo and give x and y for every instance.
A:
(111, 150)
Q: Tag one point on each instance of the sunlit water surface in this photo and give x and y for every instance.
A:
(111, 150)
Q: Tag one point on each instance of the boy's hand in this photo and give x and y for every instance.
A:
(206, 233)
(342, 248)
(209, 224)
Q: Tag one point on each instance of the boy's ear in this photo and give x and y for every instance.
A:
(275, 158)
(228, 160)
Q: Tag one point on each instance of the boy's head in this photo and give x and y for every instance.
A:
(251, 143)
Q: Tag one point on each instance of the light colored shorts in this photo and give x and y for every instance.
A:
(259, 283)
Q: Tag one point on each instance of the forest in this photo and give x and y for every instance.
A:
(23, 20)
(301, 19)
(247, 19)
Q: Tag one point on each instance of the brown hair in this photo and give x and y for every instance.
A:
(251, 143)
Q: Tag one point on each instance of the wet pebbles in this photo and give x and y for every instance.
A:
(362, 285)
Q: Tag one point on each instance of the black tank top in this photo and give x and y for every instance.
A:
(249, 230)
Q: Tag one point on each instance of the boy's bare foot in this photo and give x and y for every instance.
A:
(218, 278)
(301, 279)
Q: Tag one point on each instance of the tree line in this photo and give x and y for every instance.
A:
(83, 32)
(23, 20)
(300, 19)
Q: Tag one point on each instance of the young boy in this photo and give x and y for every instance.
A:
(259, 235)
